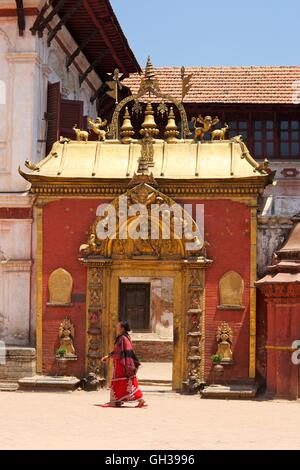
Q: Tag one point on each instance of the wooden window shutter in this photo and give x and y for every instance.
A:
(53, 113)
(71, 113)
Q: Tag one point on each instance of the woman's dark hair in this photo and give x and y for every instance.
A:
(124, 324)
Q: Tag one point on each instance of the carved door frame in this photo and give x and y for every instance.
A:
(189, 317)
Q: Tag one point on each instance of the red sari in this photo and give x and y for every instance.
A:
(124, 384)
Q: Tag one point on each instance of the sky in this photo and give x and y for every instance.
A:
(212, 33)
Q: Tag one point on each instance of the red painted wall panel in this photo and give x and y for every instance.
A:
(227, 229)
(66, 223)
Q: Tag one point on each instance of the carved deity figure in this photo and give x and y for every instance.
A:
(224, 339)
(97, 127)
(207, 124)
(66, 337)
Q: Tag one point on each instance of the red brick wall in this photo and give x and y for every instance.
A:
(154, 351)
(227, 229)
(65, 227)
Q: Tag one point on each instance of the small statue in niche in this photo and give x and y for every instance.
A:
(66, 337)
(224, 340)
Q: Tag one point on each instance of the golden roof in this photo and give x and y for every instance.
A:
(176, 164)
(185, 159)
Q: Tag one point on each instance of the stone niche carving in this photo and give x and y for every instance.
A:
(66, 337)
(231, 289)
(60, 286)
(224, 340)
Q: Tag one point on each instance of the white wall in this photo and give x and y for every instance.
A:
(26, 66)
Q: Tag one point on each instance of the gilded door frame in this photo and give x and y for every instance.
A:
(188, 314)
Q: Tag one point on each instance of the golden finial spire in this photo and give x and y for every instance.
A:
(127, 129)
(149, 70)
(171, 130)
(149, 125)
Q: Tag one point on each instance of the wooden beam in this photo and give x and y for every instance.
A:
(100, 91)
(106, 39)
(80, 48)
(40, 16)
(63, 21)
(91, 67)
(21, 16)
(51, 15)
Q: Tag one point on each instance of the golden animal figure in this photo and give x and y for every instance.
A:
(80, 135)
(220, 134)
(90, 247)
(207, 123)
(66, 337)
(97, 127)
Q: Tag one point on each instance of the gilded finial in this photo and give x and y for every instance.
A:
(149, 70)
(127, 129)
(149, 125)
(171, 131)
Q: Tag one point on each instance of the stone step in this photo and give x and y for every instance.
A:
(8, 386)
(230, 391)
(166, 383)
(48, 383)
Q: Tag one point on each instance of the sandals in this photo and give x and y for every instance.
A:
(109, 405)
(142, 405)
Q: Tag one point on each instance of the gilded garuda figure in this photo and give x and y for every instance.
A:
(207, 123)
(97, 127)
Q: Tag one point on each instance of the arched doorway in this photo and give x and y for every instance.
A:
(113, 257)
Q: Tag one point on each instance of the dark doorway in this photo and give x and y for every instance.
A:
(135, 305)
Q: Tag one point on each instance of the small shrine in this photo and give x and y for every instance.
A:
(103, 253)
(281, 290)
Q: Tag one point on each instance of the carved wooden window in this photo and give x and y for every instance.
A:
(53, 114)
(231, 289)
(263, 138)
(238, 128)
(289, 138)
(61, 116)
(71, 112)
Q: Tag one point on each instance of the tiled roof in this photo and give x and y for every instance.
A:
(229, 84)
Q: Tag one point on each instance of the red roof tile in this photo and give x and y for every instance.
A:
(229, 84)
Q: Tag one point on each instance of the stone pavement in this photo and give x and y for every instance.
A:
(157, 371)
(72, 420)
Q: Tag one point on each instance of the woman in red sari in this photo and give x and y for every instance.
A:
(124, 384)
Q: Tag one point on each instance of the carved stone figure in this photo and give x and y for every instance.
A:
(60, 285)
(231, 288)
(224, 339)
(66, 337)
(91, 382)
